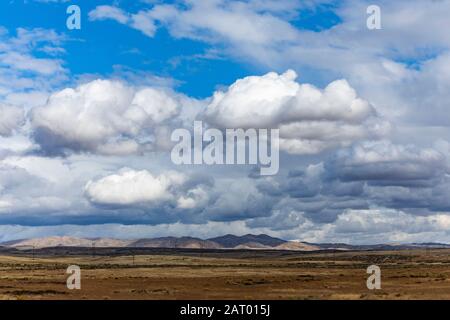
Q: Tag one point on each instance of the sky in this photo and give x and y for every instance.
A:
(86, 117)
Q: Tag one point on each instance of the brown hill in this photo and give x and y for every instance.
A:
(297, 246)
(252, 246)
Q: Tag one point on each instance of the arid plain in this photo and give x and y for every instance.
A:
(222, 274)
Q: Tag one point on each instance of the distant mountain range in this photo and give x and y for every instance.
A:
(231, 241)
(247, 242)
(173, 242)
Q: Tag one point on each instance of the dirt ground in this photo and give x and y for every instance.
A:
(404, 275)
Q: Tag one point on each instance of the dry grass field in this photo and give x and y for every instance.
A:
(233, 275)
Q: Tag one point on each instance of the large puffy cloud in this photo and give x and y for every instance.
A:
(103, 116)
(253, 102)
(11, 118)
(310, 120)
(131, 187)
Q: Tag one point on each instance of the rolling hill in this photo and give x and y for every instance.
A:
(226, 242)
(65, 241)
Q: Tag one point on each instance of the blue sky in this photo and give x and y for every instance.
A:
(86, 118)
(98, 47)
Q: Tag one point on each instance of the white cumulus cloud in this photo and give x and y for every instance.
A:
(310, 119)
(103, 116)
(133, 187)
